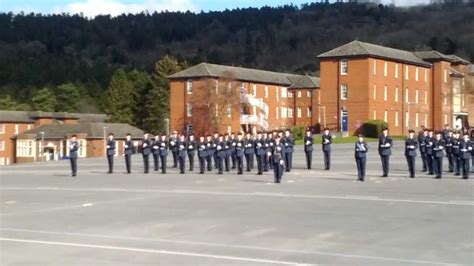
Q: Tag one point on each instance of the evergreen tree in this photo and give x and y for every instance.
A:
(118, 101)
(68, 98)
(44, 100)
(8, 103)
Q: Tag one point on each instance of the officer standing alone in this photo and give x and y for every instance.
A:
(73, 148)
(308, 148)
(326, 143)
(385, 150)
(361, 149)
(110, 152)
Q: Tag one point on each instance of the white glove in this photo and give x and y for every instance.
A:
(172, 143)
(126, 146)
(163, 145)
(278, 149)
(71, 146)
(219, 147)
(202, 146)
(155, 147)
(190, 146)
(308, 142)
(144, 145)
(233, 144)
(181, 146)
(286, 144)
(281, 162)
(239, 144)
(259, 144)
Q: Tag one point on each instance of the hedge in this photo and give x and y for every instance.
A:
(373, 128)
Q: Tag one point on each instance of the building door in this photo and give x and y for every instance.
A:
(344, 120)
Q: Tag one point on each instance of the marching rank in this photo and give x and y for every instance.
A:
(274, 150)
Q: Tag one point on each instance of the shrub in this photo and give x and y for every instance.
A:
(298, 132)
(373, 128)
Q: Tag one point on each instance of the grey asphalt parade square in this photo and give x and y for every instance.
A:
(313, 217)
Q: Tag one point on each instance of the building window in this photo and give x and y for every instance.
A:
(385, 116)
(2, 128)
(385, 93)
(416, 95)
(375, 114)
(290, 112)
(25, 148)
(309, 112)
(344, 68)
(266, 92)
(385, 68)
(29, 127)
(229, 110)
(2, 161)
(229, 87)
(445, 99)
(396, 94)
(445, 118)
(463, 103)
(417, 122)
(426, 97)
(216, 84)
(277, 113)
(375, 91)
(284, 92)
(426, 120)
(81, 152)
(416, 73)
(407, 119)
(308, 93)
(406, 72)
(426, 75)
(17, 128)
(344, 92)
(289, 93)
(2, 145)
(406, 95)
(189, 86)
(189, 109)
(396, 118)
(298, 112)
(396, 71)
(299, 94)
(445, 75)
(375, 66)
(284, 112)
(254, 87)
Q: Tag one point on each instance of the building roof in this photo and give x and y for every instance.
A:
(305, 82)
(237, 73)
(29, 117)
(357, 48)
(455, 73)
(433, 56)
(459, 60)
(91, 130)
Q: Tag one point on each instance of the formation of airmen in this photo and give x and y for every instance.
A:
(274, 151)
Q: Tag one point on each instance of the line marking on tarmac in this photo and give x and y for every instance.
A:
(252, 194)
(156, 251)
(209, 244)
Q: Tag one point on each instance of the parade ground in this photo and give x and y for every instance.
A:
(313, 217)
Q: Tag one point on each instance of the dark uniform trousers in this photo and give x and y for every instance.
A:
(163, 155)
(327, 159)
(278, 155)
(438, 155)
(421, 141)
(110, 160)
(146, 163)
(410, 155)
(361, 159)
(181, 162)
(465, 157)
(411, 165)
(191, 161)
(156, 161)
(288, 160)
(429, 157)
(128, 162)
(202, 163)
(240, 163)
(73, 161)
(209, 156)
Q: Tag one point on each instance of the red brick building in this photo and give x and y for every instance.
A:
(38, 136)
(362, 81)
(209, 97)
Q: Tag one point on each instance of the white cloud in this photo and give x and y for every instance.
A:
(92, 8)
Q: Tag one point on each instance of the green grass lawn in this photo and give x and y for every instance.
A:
(350, 139)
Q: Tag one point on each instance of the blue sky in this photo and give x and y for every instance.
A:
(114, 7)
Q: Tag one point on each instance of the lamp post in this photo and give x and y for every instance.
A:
(105, 141)
(324, 113)
(42, 146)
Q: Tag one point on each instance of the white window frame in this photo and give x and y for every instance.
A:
(308, 93)
(445, 118)
(396, 94)
(385, 116)
(289, 93)
(375, 92)
(284, 112)
(298, 112)
(25, 148)
(2, 145)
(385, 68)
(277, 113)
(445, 99)
(445, 75)
(344, 67)
(407, 95)
(284, 92)
(426, 97)
(396, 71)
(290, 112)
(385, 93)
(29, 127)
(407, 72)
(189, 86)
(298, 94)
(396, 118)
(17, 128)
(309, 112)
(344, 92)
(229, 110)
(2, 128)
(375, 114)
(417, 95)
(189, 110)
(416, 73)
(266, 92)
(417, 119)
(407, 119)
(426, 75)
(426, 120)
(254, 87)
(375, 67)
